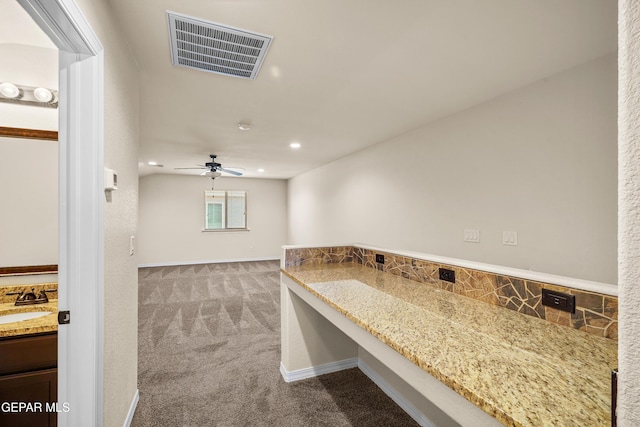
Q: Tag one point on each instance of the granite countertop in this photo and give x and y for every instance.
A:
(48, 323)
(522, 370)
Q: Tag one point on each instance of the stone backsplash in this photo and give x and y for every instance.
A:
(595, 313)
(326, 255)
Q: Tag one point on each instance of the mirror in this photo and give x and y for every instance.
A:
(29, 217)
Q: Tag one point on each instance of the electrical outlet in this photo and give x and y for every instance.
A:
(559, 300)
(471, 235)
(380, 258)
(447, 275)
(510, 238)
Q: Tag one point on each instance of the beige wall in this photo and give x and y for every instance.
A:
(121, 97)
(172, 219)
(17, 66)
(540, 161)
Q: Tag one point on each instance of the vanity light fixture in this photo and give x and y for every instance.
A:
(28, 95)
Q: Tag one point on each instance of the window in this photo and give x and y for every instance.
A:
(225, 210)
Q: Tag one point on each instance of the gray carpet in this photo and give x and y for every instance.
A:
(209, 355)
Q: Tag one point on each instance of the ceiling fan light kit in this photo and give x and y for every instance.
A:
(214, 169)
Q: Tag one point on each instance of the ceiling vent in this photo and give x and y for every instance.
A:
(216, 48)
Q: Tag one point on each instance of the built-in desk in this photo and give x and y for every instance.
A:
(473, 363)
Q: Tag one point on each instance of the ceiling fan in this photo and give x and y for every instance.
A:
(214, 169)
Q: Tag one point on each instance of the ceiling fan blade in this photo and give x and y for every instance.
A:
(229, 171)
(190, 168)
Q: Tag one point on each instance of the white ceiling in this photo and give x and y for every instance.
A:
(341, 75)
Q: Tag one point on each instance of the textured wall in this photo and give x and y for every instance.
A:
(540, 160)
(121, 94)
(629, 211)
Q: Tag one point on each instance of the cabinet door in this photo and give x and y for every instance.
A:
(28, 353)
(35, 388)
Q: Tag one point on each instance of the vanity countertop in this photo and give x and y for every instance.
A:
(48, 323)
(522, 370)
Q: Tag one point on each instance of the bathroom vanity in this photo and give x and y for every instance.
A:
(29, 359)
(446, 358)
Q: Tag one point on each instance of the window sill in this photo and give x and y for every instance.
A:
(225, 230)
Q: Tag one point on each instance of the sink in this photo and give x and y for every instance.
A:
(19, 317)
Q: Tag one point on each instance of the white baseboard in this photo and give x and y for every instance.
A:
(399, 399)
(314, 371)
(214, 261)
(132, 409)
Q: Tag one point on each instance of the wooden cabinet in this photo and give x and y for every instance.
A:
(29, 381)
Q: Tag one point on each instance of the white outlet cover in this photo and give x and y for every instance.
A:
(510, 238)
(471, 235)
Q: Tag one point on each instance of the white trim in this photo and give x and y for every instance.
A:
(570, 282)
(80, 207)
(224, 230)
(215, 261)
(316, 246)
(65, 25)
(315, 371)
(132, 409)
(398, 398)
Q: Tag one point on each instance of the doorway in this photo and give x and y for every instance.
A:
(80, 210)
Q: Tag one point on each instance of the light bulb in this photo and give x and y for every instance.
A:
(42, 94)
(9, 90)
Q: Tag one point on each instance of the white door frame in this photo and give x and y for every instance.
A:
(81, 198)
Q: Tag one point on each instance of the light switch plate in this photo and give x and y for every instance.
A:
(510, 238)
(471, 235)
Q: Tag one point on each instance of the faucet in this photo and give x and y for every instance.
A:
(30, 297)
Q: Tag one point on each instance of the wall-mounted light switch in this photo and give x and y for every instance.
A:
(471, 235)
(510, 238)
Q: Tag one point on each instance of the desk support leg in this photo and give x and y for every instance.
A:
(310, 344)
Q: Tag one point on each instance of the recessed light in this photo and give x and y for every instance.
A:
(9, 90)
(295, 145)
(260, 170)
(42, 94)
(244, 126)
(152, 163)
